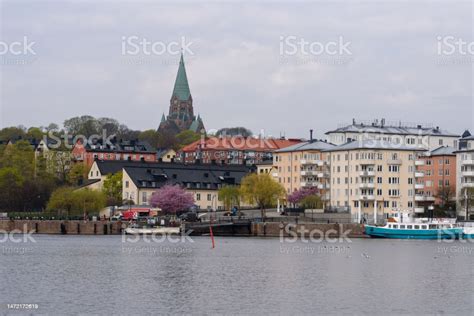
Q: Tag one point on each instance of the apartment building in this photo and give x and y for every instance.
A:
(439, 169)
(374, 178)
(398, 133)
(303, 165)
(234, 150)
(465, 178)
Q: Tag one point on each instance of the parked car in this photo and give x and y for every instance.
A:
(189, 217)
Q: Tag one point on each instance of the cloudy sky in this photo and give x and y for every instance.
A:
(378, 59)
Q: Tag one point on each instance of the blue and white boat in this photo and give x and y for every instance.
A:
(416, 230)
(468, 233)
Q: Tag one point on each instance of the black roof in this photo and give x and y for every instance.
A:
(114, 145)
(157, 174)
(205, 177)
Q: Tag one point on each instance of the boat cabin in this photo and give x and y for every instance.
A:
(418, 226)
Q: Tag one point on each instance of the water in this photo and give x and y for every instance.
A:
(102, 275)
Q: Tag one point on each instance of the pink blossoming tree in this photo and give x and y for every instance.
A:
(172, 199)
(298, 196)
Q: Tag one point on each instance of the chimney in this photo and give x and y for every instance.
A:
(311, 135)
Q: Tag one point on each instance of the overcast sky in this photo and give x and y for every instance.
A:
(241, 71)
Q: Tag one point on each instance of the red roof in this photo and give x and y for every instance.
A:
(240, 143)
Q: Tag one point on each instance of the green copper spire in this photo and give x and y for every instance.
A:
(181, 86)
(163, 119)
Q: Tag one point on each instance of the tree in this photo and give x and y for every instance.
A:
(185, 138)
(12, 133)
(21, 157)
(297, 196)
(77, 174)
(172, 199)
(262, 190)
(34, 133)
(445, 194)
(76, 202)
(61, 200)
(234, 131)
(11, 185)
(113, 188)
(230, 196)
(312, 201)
(151, 136)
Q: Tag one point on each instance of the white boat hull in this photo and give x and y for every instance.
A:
(153, 231)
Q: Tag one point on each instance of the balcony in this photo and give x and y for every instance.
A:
(367, 173)
(367, 162)
(419, 174)
(469, 173)
(367, 197)
(309, 184)
(419, 209)
(394, 162)
(323, 175)
(308, 173)
(467, 185)
(419, 186)
(323, 186)
(467, 162)
(312, 162)
(366, 185)
(419, 162)
(424, 198)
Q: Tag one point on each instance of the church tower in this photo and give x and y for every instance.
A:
(181, 113)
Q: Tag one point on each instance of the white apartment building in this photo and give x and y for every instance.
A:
(375, 178)
(465, 176)
(410, 135)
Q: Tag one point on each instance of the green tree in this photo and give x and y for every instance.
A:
(151, 136)
(185, 138)
(112, 188)
(12, 133)
(34, 133)
(77, 174)
(261, 190)
(76, 202)
(61, 201)
(312, 202)
(21, 157)
(230, 196)
(11, 186)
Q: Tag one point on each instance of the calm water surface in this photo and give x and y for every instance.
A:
(104, 275)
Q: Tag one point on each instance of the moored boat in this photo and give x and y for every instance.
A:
(468, 232)
(415, 230)
(152, 231)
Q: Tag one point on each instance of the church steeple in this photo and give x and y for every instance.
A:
(181, 86)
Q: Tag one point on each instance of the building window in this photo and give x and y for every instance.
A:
(126, 184)
(209, 197)
(198, 196)
(144, 200)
